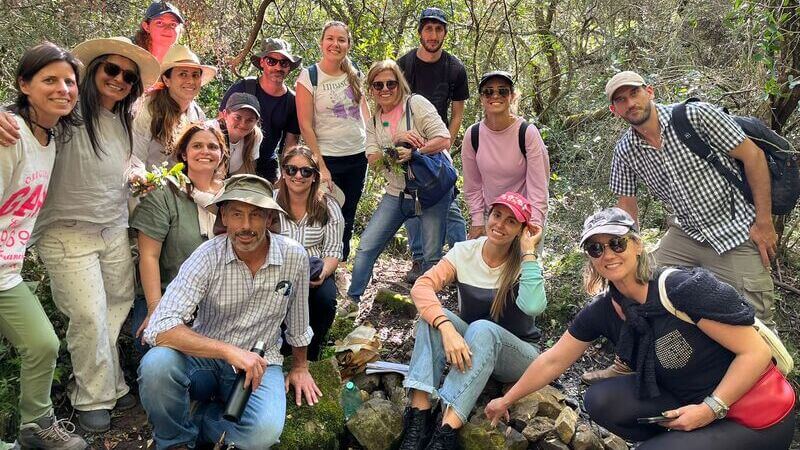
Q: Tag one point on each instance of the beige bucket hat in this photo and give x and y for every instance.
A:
(88, 51)
(180, 56)
(250, 189)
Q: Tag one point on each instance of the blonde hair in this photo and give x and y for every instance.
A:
(353, 75)
(508, 276)
(594, 283)
(389, 64)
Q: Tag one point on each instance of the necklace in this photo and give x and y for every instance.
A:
(49, 131)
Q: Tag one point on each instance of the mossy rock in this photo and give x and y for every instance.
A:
(340, 328)
(396, 303)
(318, 426)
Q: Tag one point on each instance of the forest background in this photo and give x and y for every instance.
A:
(739, 54)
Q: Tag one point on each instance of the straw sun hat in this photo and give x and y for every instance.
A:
(88, 51)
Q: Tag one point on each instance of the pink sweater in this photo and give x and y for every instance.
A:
(500, 167)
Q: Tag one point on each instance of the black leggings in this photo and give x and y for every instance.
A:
(613, 404)
(349, 173)
(321, 312)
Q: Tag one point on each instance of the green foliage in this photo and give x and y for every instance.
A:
(564, 287)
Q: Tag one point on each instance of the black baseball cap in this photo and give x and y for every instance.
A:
(432, 13)
(495, 74)
(243, 100)
(159, 8)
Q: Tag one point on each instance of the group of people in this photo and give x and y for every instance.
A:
(242, 243)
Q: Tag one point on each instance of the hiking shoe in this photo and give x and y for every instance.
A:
(349, 311)
(414, 272)
(417, 428)
(49, 433)
(126, 402)
(96, 421)
(616, 369)
(444, 438)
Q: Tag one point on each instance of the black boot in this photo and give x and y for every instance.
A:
(444, 438)
(417, 428)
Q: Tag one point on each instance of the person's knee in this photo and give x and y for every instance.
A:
(599, 400)
(260, 435)
(40, 347)
(482, 333)
(160, 366)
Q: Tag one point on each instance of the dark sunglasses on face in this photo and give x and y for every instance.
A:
(595, 249)
(113, 70)
(489, 92)
(305, 172)
(284, 63)
(390, 85)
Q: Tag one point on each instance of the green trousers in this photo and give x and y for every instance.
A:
(24, 323)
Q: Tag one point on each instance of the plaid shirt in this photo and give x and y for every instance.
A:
(321, 241)
(708, 208)
(232, 305)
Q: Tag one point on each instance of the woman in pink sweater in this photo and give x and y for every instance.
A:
(502, 153)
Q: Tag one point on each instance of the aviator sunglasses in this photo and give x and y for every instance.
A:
(284, 63)
(390, 85)
(489, 92)
(617, 244)
(113, 70)
(305, 172)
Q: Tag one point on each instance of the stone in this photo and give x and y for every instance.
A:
(377, 425)
(614, 442)
(538, 428)
(321, 425)
(391, 380)
(367, 382)
(552, 443)
(378, 394)
(482, 436)
(550, 401)
(565, 424)
(586, 439)
(398, 396)
(396, 303)
(523, 412)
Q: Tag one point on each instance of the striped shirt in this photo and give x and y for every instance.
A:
(318, 240)
(708, 208)
(231, 305)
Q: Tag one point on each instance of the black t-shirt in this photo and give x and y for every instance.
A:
(440, 82)
(278, 117)
(689, 364)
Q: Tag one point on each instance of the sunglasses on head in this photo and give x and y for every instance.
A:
(113, 70)
(284, 63)
(489, 92)
(305, 172)
(595, 249)
(390, 85)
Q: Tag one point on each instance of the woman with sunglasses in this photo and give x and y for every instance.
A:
(401, 122)
(46, 83)
(686, 372)
(500, 164)
(331, 109)
(314, 220)
(501, 292)
(240, 124)
(169, 106)
(160, 29)
(173, 221)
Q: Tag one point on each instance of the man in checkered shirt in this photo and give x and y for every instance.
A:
(237, 288)
(714, 225)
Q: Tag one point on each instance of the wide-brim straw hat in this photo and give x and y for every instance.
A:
(88, 51)
(180, 56)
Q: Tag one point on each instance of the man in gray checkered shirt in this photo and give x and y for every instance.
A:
(238, 288)
(713, 226)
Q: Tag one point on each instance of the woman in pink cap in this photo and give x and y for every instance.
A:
(501, 291)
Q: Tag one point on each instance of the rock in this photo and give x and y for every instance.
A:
(365, 396)
(391, 380)
(550, 401)
(552, 443)
(367, 382)
(377, 424)
(586, 439)
(565, 424)
(396, 303)
(538, 428)
(378, 394)
(318, 426)
(523, 412)
(614, 442)
(483, 436)
(398, 396)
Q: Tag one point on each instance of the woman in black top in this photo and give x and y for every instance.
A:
(684, 370)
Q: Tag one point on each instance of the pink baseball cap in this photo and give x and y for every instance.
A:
(519, 205)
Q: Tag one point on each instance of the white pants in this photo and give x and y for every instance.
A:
(91, 277)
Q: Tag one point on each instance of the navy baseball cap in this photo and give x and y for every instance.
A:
(159, 8)
(433, 14)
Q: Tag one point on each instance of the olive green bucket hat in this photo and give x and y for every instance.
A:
(250, 189)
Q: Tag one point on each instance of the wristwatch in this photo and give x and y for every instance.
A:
(718, 407)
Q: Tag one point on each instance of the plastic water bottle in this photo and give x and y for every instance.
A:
(351, 399)
(239, 395)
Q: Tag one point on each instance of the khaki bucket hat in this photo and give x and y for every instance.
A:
(180, 56)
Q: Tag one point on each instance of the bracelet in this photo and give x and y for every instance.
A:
(721, 403)
(530, 254)
(440, 323)
(433, 322)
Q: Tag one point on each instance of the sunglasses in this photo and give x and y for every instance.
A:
(284, 63)
(596, 249)
(390, 85)
(489, 92)
(305, 172)
(113, 70)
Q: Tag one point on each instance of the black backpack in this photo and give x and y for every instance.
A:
(782, 160)
(474, 136)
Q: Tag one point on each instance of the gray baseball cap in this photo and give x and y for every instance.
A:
(614, 221)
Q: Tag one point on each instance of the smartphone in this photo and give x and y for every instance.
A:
(656, 419)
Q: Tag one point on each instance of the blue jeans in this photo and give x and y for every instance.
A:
(495, 352)
(168, 383)
(456, 230)
(392, 211)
